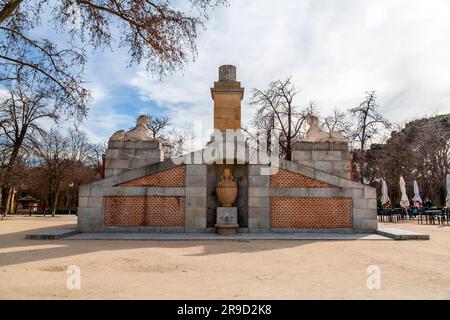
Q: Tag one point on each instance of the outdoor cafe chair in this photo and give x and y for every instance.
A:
(445, 215)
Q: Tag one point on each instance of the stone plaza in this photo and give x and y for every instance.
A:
(144, 192)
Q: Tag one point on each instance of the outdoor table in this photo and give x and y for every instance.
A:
(398, 214)
(432, 214)
(387, 215)
(391, 214)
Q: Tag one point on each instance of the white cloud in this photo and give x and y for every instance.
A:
(335, 51)
(375, 16)
(98, 93)
(3, 93)
(103, 121)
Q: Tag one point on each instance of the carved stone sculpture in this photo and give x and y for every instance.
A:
(226, 189)
(139, 133)
(316, 134)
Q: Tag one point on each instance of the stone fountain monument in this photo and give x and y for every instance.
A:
(226, 191)
(143, 192)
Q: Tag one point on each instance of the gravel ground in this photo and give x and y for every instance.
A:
(32, 269)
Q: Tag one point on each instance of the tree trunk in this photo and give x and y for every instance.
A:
(16, 201)
(9, 9)
(8, 201)
(269, 142)
(1, 201)
(289, 137)
(12, 160)
(55, 201)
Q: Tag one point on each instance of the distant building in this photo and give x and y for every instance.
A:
(27, 204)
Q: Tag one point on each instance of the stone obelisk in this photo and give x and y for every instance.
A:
(227, 95)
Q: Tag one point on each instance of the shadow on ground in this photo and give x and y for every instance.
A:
(32, 251)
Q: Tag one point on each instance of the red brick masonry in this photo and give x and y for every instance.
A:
(136, 211)
(311, 213)
(170, 178)
(288, 179)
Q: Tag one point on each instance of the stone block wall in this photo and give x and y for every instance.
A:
(168, 197)
(258, 200)
(126, 155)
(196, 198)
(90, 205)
(149, 198)
(333, 158)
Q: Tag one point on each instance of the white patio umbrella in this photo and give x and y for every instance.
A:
(385, 200)
(448, 191)
(417, 200)
(404, 202)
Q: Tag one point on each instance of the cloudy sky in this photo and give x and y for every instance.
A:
(334, 50)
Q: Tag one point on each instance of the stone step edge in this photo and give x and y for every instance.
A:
(399, 234)
(52, 234)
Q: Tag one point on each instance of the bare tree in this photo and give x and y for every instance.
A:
(156, 32)
(174, 143)
(58, 165)
(20, 112)
(172, 140)
(9, 188)
(338, 122)
(95, 155)
(42, 65)
(157, 125)
(418, 150)
(53, 151)
(85, 152)
(429, 140)
(260, 133)
(276, 111)
(368, 120)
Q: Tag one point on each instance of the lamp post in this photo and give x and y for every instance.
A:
(71, 196)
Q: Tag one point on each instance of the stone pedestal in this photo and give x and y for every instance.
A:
(126, 155)
(227, 94)
(227, 220)
(333, 158)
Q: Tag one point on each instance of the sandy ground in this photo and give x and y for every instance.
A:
(31, 269)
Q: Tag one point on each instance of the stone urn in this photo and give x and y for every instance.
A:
(226, 189)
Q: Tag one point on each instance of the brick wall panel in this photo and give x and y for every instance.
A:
(170, 178)
(138, 211)
(288, 179)
(311, 213)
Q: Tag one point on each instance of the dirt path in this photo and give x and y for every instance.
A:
(31, 269)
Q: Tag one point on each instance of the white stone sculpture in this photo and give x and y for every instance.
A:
(139, 133)
(316, 134)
